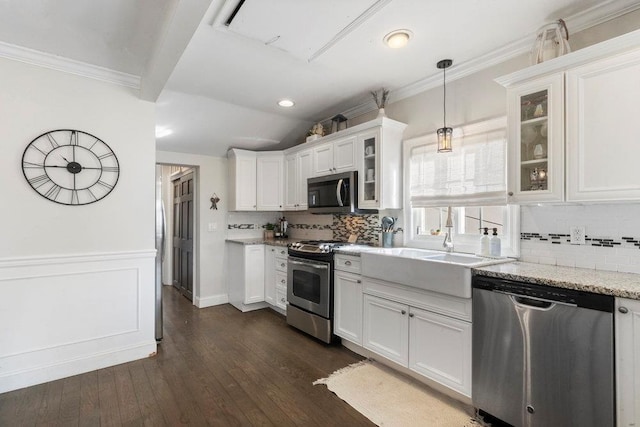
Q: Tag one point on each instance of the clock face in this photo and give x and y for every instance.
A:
(70, 167)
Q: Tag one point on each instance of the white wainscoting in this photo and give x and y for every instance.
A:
(65, 315)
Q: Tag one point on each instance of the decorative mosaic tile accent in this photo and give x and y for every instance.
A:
(367, 227)
(241, 226)
(607, 242)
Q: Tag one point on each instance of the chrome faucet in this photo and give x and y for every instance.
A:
(447, 244)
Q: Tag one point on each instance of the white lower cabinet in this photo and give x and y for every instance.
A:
(347, 301)
(386, 328)
(246, 276)
(275, 276)
(403, 325)
(440, 348)
(627, 339)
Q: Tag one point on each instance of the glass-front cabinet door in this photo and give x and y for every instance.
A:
(369, 175)
(536, 129)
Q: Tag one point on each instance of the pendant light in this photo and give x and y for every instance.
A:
(444, 133)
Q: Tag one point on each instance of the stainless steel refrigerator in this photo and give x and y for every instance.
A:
(160, 235)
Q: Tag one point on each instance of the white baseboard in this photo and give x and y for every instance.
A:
(44, 373)
(210, 301)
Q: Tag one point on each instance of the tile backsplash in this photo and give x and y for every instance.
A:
(335, 227)
(612, 236)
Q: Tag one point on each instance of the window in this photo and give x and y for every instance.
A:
(471, 179)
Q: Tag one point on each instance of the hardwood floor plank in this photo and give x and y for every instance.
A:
(50, 409)
(108, 398)
(89, 413)
(150, 411)
(127, 402)
(70, 401)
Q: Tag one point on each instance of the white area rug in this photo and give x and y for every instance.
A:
(391, 399)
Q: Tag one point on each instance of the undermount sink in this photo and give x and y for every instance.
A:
(443, 272)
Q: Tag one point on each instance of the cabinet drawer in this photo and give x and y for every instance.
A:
(281, 297)
(281, 280)
(347, 263)
(281, 264)
(281, 252)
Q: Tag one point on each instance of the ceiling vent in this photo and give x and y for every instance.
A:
(289, 25)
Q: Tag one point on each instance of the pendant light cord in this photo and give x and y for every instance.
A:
(444, 96)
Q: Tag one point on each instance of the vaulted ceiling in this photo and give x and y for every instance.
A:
(217, 71)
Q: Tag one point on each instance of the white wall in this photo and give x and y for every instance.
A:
(211, 174)
(76, 282)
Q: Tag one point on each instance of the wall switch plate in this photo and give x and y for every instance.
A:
(577, 235)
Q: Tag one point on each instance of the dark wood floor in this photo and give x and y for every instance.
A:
(215, 366)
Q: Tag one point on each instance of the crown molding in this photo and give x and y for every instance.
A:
(580, 21)
(59, 63)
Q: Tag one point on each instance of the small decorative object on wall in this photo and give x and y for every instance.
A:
(214, 201)
(70, 167)
(382, 101)
(315, 132)
(550, 42)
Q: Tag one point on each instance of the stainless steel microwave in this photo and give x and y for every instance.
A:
(336, 193)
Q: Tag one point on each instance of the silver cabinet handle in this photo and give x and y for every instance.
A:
(347, 263)
(282, 264)
(623, 310)
(273, 250)
(411, 314)
(403, 312)
(282, 281)
(283, 252)
(339, 192)
(510, 193)
(282, 300)
(358, 281)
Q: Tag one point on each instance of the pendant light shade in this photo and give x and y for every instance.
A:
(444, 133)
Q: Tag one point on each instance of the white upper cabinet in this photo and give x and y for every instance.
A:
(242, 180)
(256, 180)
(572, 135)
(297, 170)
(536, 129)
(603, 139)
(379, 153)
(270, 182)
(334, 157)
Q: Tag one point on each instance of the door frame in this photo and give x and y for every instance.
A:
(167, 193)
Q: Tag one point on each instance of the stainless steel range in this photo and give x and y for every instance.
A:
(310, 287)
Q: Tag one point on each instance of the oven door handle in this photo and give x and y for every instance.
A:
(307, 264)
(339, 192)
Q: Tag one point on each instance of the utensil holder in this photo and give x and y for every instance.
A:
(387, 239)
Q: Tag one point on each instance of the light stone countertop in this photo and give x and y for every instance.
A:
(262, 241)
(624, 285)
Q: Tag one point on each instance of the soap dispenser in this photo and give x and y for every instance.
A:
(484, 243)
(495, 248)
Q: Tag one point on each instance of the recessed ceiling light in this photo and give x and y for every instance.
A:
(398, 38)
(162, 131)
(286, 103)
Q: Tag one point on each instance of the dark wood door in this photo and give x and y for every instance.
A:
(183, 218)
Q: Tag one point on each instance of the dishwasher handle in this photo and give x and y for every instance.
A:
(540, 303)
(533, 302)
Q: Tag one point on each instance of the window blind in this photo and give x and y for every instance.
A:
(473, 174)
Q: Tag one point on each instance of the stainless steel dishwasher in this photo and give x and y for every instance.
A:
(542, 356)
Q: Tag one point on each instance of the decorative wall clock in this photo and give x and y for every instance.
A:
(70, 167)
